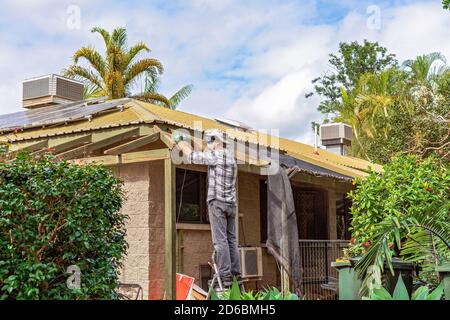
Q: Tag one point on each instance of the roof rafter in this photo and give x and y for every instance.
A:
(71, 154)
(31, 148)
(129, 146)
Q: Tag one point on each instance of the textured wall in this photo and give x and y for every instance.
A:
(144, 205)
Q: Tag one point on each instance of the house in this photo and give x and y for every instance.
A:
(133, 138)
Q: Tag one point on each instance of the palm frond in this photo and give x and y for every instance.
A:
(413, 228)
(119, 37)
(153, 97)
(93, 57)
(92, 91)
(133, 52)
(83, 74)
(105, 34)
(151, 83)
(138, 68)
(180, 95)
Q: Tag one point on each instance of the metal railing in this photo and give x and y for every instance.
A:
(318, 277)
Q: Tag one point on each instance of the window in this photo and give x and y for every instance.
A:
(191, 193)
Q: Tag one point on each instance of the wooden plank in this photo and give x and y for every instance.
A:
(132, 157)
(105, 160)
(169, 230)
(165, 137)
(83, 150)
(147, 155)
(31, 148)
(70, 144)
(137, 143)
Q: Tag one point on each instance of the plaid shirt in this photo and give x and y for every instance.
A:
(222, 169)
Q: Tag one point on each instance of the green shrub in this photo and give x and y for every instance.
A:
(408, 187)
(54, 214)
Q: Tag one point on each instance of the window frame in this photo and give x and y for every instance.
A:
(204, 219)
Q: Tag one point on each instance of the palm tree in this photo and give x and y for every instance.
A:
(422, 71)
(116, 73)
(427, 237)
(151, 94)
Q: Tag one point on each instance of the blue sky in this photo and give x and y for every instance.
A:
(251, 61)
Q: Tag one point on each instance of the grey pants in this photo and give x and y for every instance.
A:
(222, 216)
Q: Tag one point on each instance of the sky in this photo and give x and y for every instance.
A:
(251, 61)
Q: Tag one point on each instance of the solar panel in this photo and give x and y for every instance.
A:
(56, 114)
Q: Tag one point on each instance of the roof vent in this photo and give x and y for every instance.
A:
(335, 136)
(235, 124)
(50, 90)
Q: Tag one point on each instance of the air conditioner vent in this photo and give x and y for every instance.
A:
(50, 90)
(251, 262)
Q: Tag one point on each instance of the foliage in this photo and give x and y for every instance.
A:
(234, 293)
(54, 214)
(401, 293)
(352, 61)
(399, 110)
(151, 94)
(114, 74)
(446, 4)
(404, 211)
(407, 187)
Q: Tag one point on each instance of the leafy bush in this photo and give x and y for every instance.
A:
(234, 293)
(401, 293)
(408, 187)
(54, 215)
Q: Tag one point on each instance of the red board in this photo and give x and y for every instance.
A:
(184, 285)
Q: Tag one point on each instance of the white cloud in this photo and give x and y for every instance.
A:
(282, 104)
(252, 61)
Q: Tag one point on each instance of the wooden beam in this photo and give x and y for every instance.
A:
(131, 157)
(70, 144)
(147, 155)
(169, 230)
(137, 143)
(165, 137)
(105, 160)
(31, 148)
(83, 150)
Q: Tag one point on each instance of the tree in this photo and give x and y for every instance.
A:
(352, 61)
(116, 73)
(57, 217)
(400, 110)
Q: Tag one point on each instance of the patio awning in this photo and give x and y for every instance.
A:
(295, 166)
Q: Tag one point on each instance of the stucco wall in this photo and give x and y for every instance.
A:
(144, 263)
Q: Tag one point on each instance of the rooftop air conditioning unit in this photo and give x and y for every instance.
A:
(335, 136)
(251, 262)
(50, 90)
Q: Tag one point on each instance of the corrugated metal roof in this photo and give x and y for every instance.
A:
(140, 112)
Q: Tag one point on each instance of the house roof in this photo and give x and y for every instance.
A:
(35, 124)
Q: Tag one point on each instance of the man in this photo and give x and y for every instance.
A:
(221, 199)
